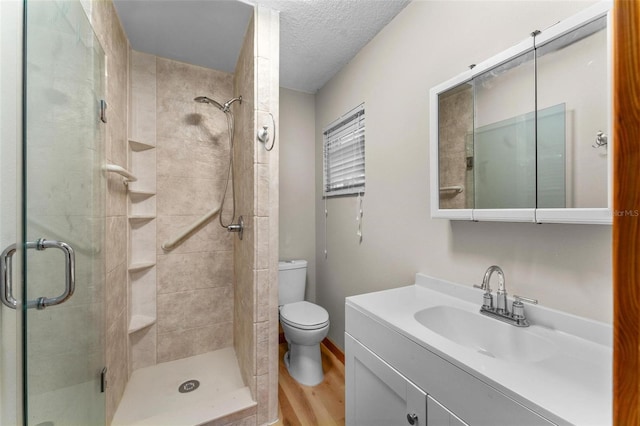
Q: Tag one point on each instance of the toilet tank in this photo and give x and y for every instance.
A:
(292, 275)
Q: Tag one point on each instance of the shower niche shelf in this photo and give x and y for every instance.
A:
(139, 322)
(140, 218)
(138, 195)
(141, 266)
(138, 146)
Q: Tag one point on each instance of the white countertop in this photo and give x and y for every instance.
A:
(574, 383)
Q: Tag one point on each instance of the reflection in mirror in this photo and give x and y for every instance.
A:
(504, 164)
(455, 147)
(572, 70)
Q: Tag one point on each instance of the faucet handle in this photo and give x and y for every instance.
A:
(518, 299)
(517, 308)
(487, 298)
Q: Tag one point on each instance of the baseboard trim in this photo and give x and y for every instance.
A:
(335, 350)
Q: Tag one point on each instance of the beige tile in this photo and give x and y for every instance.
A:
(262, 299)
(143, 239)
(189, 120)
(142, 295)
(262, 347)
(273, 368)
(116, 242)
(143, 348)
(117, 85)
(189, 271)
(262, 242)
(262, 190)
(209, 306)
(188, 196)
(183, 82)
(263, 82)
(116, 293)
(183, 344)
(263, 30)
(116, 362)
(211, 237)
(142, 121)
(177, 345)
(117, 140)
(116, 196)
(172, 311)
(193, 157)
(263, 398)
(214, 337)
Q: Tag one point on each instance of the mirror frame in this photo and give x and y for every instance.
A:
(602, 215)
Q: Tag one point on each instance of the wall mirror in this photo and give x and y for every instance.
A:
(524, 136)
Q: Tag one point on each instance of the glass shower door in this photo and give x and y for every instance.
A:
(63, 223)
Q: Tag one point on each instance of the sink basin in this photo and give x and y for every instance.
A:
(485, 335)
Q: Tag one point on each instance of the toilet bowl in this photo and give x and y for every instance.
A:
(304, 324)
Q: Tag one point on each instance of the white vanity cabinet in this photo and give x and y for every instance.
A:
(388, 376)
(379, 395)
(438, 415)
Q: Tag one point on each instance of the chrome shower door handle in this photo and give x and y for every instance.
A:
(6, 284)
(69, 270)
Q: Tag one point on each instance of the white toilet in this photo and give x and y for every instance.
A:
(305, 324)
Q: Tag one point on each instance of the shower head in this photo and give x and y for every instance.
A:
(205, 100)
(223, 108)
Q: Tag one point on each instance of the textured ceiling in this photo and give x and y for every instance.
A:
(317, 37)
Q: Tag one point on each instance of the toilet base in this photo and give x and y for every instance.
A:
(304, 364)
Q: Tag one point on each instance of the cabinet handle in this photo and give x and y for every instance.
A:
(412, 419)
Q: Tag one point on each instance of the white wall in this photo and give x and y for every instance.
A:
(297, 181)
(567, 267)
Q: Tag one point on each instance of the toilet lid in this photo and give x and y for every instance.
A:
(304, 315)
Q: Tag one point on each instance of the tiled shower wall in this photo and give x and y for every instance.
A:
(107, 27)
(193, 287)
(191, 158)
(256, 256)
(195, 280)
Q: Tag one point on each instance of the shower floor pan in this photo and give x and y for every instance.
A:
(152, 396)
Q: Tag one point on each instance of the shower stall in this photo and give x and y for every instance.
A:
(101, 162)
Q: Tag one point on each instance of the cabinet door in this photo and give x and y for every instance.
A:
(377, 394)
(438, 415)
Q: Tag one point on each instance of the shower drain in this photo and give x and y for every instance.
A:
(189, 386)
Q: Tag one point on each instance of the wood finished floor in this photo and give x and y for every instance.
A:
(321, 405)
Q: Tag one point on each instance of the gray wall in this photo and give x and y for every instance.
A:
(567, 267)
(297, 182)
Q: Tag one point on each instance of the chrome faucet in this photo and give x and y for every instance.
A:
(501, 311)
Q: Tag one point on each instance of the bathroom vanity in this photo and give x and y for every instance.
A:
(424, 355)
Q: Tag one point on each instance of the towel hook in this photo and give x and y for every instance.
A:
(263, 134)
(601, 140)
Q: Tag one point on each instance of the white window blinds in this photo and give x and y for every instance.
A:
(343, 151)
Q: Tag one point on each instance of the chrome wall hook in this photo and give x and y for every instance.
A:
(601, 139)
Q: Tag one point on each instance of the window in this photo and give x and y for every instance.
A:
(343, 171)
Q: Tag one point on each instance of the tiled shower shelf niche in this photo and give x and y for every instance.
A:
(142, 235)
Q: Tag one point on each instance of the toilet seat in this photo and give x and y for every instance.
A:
(304, 315)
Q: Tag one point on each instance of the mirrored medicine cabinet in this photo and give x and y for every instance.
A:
(525, 135)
